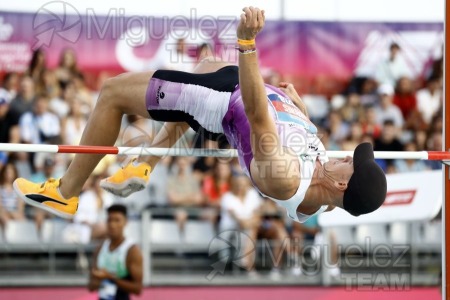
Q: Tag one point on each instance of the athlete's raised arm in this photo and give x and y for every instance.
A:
(250, 80)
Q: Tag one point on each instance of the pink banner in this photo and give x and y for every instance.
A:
(303, 51)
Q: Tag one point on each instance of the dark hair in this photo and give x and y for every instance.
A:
(433, 78)
(119, 208)
(8, 77)
(34, 60)
(3, 172)
(74, 67)
(388, 122)
(202, 47)
(394, 45)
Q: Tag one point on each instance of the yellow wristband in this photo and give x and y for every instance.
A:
(246, 42)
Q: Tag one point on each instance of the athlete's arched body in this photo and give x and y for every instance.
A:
(277, 143)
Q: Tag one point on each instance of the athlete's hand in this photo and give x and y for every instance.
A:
(252, 21)
(101, 274)
(289, 90)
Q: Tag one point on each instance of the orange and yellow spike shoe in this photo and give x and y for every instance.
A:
(130, 179)
(46, 196)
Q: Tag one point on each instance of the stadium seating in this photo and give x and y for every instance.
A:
(400, 233)
(344, 235)
(198, 234)
(21, 232)
(164, 235)
(371, 235)
(133, 230)
(52, 231)
(429, 238)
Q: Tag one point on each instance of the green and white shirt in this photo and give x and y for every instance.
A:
(115, 262)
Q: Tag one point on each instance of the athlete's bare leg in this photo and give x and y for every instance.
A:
(124, 94)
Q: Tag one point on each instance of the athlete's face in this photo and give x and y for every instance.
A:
(339, 170)
(116, 224)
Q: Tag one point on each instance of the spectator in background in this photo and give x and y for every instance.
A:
(214, 187)
(61, 105)
(369, 94)
(272, 227)
(240, 210)
(429, 99)
(434, 143)
(217, 183)
(37, 66)
(388, 142)
(179, 59)
(23, 102)
(324, 135)
(67, 67)
(369, 122)
(158, 184)
(46, 170)
(391, 69)
(103, 198)
(73, 125)
(173, 55)
(387, 110)
(404, 97)
(352, 111)
(203, 51)
(9, 127)
(338, 128)
(420, 140)
(183, 62)
(204, 165)
(410, 165)
(11, 207)
(40, 125)
(311, 233)
(22, 163)
(437, 66)
(11, 83)
(83, 93)
(49, 85)
(367, 138)
(183, 190)
(60, 162)
(354, 138)
(437, 123)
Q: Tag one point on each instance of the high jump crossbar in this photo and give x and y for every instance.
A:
(145, 151)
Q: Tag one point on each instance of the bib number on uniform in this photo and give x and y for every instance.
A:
(287, 112)
(107, 290)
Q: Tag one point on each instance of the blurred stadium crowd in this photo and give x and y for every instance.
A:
(392, 110)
